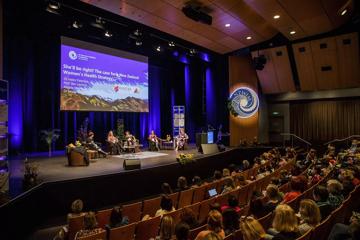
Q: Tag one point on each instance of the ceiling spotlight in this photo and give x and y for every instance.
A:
(171, 44)
(158, 48)
(99, 23)
(343, 12)
(108, 34)
(76, 24)
(137, 32)
(227, 25)
(248, 38)
(193, 51)
(292, 32)
(138, 42)
(54, 5)
(276, 16)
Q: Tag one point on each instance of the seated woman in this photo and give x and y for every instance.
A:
(153, 141)
(214, 225)
(321, 195)
(166, 228)
(182, 184)
(274, 198)
(90, 226)
(187, 216)
(90, 143)
(114, 143)
(181, 139)
(252, 230)
(76, 209)
(230, 215)
(130, 140)
(297, 186)
(166, 206)
(335, 188)
(117, 219)
(309, 215)
(285, 223)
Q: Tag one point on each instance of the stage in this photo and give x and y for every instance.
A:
(57, 169)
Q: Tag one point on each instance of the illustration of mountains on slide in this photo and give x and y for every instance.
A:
(74, 101)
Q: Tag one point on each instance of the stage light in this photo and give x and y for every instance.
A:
(108, 34)
(193, 51)
(292, 32)
(99, 23)
(343, 12)
(137, 33)
(227, 25)
(138, 42)
(171, 44)
(158, 48)
(248, 38)
(54, 5)
(276, 16)
(76, 25)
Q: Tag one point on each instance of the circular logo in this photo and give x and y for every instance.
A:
(72, 55)
(245, 102)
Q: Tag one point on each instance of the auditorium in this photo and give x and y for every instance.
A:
(179, 120)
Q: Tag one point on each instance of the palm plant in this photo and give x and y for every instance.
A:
(50, 136)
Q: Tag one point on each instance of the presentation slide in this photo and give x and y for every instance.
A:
(97, 78)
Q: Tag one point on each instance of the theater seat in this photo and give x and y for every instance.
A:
(147, 229)
(96, 236)
(124, 232)
(75, 225)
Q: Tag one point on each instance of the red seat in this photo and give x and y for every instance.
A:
(175, 215)
(126, 232)
(151, 206)
(199, 193)
(174, 197)
(195, 208)
(147, 229)
(204, 209)
(185, 198)
(75, 224)
(133, 211)
(97, 236)
(103, 217)
(266, 221)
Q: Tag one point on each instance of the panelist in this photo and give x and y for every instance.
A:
(90, 143)
(153, 141)
(181, 139)
(130, 140)
(114, 143)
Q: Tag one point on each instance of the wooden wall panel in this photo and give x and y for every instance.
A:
(305, 66)
(348, 60)
(267, 76)
(325, 62)
(242, 74)
(282, 68)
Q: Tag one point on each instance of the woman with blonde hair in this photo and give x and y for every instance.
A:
(251, 229)
(214, 224)
(309, 215)
(285, 223)
(90, 226)
(166, 228)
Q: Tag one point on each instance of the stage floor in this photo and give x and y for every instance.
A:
(56, 168)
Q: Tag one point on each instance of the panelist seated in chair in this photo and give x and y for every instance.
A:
(181, 140)
(90, 143)
(129, 139)
(153, 141)
(115, 145)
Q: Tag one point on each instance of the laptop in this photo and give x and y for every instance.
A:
(212, 192)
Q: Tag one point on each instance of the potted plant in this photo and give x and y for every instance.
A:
(184, 159)
(30, 175)
(50, 136)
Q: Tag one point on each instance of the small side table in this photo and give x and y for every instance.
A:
(167, 145)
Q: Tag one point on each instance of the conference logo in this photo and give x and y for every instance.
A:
(243, 102)
(72, 55)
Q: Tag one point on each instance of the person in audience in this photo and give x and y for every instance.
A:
(76, 209)
(196, 182)
(166, 206)
(256, 205)
(166, 228)
(182, 184)
(311, 157)
(114, 143)
(321, 195)
(296, 186)
(285, 223)
(217, 175)
(117, 219)
(309, 215)
(240, 181)
(233, 169)
(341, 231)
(212, 236)
(335, 188)
(90, 143)
(275, 181)
(284, 177)
(153, 141)
(187, 216)
(233, 204)
(214, 224)
(274, 196)
(315, 175)
(228, 185)
(182, 231)
(226, 172)
(348, 181)
(245, 165)
(215, 206)
(90, 226)
(166, 188)
(251, 229)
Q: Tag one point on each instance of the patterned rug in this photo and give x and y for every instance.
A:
(141, 155)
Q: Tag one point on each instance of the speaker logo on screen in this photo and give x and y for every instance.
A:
(72, 55)
(244, 102)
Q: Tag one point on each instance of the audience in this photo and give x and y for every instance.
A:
(166, 228)
(296, 186)
(117, 219)
(346, 232)
(272, 193)
(166, 188)
(309, 215)
(182, 231)
(182, 184)
(226, 172)
(228, 185)
(230, 213)
(251, 229)
(187, 216)
(285, 223)
(214, 224)
(196, 182)
(335, 188)
(321, 195)
(76, 209)
(217, 175)
(90, 226)
(166, 206)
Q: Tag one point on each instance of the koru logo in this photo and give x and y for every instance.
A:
(245, 102)
(72, 55)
